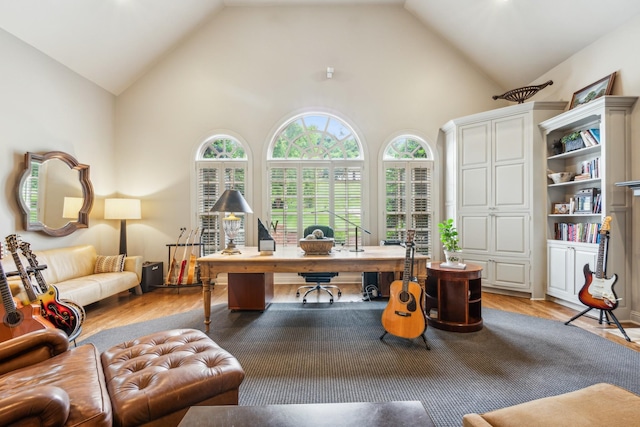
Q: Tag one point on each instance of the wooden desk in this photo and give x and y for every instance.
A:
(291, 259)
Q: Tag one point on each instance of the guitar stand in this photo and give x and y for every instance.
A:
(424, 338)
(606, 313)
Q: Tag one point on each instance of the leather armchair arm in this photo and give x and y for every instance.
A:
(41, 405)
(31, 348)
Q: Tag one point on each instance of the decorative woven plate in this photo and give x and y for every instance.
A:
(523, 93)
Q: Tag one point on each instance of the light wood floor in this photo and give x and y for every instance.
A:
(126, 308)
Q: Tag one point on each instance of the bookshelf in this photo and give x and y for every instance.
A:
(596, 152)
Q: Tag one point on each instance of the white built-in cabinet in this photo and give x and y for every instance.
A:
(608, 162)
(565, 265)
(492, 190)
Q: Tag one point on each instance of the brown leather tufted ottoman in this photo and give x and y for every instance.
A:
(153, 380)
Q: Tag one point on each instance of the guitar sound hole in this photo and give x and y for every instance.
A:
(404, 297)
(408, 299)
(14, 318)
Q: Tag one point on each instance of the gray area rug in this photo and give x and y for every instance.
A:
(321, 353)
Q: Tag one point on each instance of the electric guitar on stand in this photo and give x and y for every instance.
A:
(183, 263)
(17, 319)
(597, 291)
(404, 315)
(171, 276)
(61, 314)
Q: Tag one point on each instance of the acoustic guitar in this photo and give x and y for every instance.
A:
(62, 315)
(17, 319)
(597, 291)
(191, 265)
(404, 315)
(171, 276)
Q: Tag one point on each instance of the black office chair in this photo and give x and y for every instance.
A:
(318, 278)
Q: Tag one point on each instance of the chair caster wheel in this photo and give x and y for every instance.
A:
(304, 301)
(297, 294)
(331, 301)
(339, 293)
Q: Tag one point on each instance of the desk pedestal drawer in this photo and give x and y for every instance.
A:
(250, 291)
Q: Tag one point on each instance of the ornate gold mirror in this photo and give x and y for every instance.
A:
(54, 193)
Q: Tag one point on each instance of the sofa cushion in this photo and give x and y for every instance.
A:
(109, 264)
(597, 405)
(67, 263)
(79, 373)
(84, 290)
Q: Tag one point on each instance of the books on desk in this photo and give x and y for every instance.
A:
(458, 266)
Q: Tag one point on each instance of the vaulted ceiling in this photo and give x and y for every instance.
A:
(113, 42)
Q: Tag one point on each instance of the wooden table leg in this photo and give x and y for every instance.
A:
(206, 275)
(421, 267)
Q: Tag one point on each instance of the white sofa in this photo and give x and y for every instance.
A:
(71, 270)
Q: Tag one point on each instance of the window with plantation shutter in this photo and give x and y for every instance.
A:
(408, 172)
(315, 177)
(222, 164)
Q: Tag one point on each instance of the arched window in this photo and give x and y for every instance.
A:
(315, 164)
(222, 163)
(408, 181)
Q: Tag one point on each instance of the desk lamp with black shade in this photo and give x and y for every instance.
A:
(231, 201)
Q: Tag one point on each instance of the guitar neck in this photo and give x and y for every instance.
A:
(407, 267)
(31, 294)
(407, 260)
(604, 239)
(42, 284)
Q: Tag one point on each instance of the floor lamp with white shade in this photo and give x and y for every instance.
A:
(122, 209)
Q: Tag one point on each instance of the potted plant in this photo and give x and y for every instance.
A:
(450, 242)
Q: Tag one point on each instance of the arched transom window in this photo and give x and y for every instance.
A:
(222, 163)
(408, 175)
(315, 164)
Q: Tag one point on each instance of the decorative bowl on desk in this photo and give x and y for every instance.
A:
(317, 246)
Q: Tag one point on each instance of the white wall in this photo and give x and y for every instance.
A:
(614, 52)
(251, 68)
(46, 107)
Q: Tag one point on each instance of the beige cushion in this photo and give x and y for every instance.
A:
(109, 264)
(67, 263)
(597, 405)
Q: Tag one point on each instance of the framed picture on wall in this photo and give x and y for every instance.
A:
(594, 91)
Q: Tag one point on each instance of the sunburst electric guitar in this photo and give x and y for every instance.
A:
(404, 315)
(63, 315)
(597, 291)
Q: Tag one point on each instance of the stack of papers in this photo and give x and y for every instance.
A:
(458, 266)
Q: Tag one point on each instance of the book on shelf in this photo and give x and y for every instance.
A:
(577, 232)
(595, 132)
(582, 177)
(590, 169)
(588, 138)
(586, 200)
